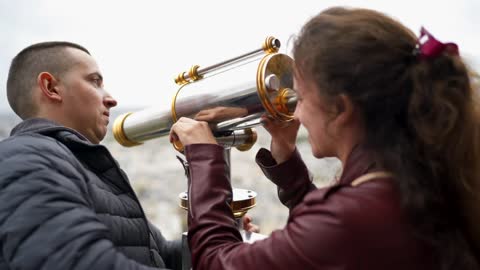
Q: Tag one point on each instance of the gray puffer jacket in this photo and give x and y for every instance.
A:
(66, 204)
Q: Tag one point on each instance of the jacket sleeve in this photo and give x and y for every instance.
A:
(170, 251)
(46, 218)
(312, 237)
(292, 177)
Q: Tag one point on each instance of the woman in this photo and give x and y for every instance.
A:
(400, 113)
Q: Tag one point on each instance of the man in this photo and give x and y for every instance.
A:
(65, 202)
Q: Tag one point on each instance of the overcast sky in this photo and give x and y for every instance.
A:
(141, 45)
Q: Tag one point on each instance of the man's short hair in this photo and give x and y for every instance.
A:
(49, 57)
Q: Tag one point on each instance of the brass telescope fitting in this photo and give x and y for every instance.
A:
(243, 200)
(252, 139)
(119, 133)
(271, 45)
(280, 110)
(192, 75)
(180, 79)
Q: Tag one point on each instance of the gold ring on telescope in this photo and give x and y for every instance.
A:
(252, 139)
(180, 79)
(193, 73)
(119, 133)
(268, 47)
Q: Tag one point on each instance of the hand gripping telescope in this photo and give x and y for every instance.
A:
(231, 96)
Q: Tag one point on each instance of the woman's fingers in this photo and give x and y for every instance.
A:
(248, 225)
(189, 131)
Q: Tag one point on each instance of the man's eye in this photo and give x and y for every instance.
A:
(97, 82)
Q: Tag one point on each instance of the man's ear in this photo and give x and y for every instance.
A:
(49, 86)
(345, 109)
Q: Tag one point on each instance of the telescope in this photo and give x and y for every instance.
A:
(231, 96)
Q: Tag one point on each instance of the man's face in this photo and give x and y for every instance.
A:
(85, 104)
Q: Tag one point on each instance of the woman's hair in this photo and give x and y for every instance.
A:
(421, 118)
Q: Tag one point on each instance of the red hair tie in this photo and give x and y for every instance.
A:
(431, 48)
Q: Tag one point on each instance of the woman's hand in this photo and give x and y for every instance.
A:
(189, 131)
(248, 225)
(284, 136)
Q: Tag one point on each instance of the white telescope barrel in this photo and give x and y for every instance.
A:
(147, 124)
(231, 99)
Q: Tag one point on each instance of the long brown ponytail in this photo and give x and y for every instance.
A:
(421, 118)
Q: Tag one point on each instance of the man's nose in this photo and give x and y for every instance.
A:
(109, 101)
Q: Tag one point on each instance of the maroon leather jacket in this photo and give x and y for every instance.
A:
(338, 227)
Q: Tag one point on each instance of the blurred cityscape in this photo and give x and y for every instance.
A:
(158, 178)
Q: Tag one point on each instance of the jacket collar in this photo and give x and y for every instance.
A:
(45, 127)
(96, 156)
(359, 162)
